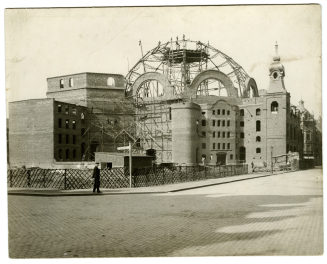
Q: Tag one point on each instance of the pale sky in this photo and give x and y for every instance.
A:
(42, 43)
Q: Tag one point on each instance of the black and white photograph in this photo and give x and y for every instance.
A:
(163, 131)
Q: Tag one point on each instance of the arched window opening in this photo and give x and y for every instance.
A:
(258, 139)
(274, 107)
(258, 126)
(212, 87)
(150, 89)
(71, 82)
(258, 111)
(258, 150)
(242, 112)
(111, 81)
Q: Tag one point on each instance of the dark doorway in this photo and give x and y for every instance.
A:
(242, 154)
(109, 165)
(221, 158)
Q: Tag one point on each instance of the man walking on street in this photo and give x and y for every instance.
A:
(96, 176)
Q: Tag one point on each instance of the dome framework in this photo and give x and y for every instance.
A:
(177, 71)
(177, 64)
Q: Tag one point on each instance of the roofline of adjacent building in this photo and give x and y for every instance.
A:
(45, 98)
(32, 99)
(93, 88)
(66, 75)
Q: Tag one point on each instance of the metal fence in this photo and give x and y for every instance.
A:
(68, 179)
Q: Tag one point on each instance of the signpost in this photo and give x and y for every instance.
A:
(129, 147)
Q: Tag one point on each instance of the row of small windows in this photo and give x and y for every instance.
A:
(273, 109)
(221, 123)
(227, 123)
(66, 110)
(221, 145)
(110, 82)
(225, 146)
(70, 83)
(222, 134)
(67, 139)
(67, 154)
(67, 123)
(221, 111)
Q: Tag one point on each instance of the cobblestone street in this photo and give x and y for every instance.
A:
(275, 215)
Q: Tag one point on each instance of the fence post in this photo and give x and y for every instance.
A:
(163, 175)
(43, 178)
(10, 178)
(28, 178)
(65, 181)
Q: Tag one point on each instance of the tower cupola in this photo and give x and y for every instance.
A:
(276, 74)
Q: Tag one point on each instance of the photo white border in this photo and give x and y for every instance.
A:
(102, 3)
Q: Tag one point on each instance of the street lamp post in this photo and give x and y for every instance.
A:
(130, 164)
(271, 155)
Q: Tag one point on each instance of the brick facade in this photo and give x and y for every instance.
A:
(40, 134)
(31, 132)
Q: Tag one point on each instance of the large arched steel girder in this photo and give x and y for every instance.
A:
(156, 76)
(250, 84)
(211, 74)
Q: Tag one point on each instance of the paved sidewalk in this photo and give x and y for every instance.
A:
(139, 190)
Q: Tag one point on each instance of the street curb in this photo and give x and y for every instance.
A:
(57, 194)
(219, 183)
(78, 194)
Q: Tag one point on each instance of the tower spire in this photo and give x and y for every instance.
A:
(276, 49)
(276, 73)
(276, 58)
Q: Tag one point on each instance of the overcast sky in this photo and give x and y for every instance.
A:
(42, 43)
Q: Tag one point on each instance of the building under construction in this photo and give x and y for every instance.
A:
(184, 102)
(170, 75)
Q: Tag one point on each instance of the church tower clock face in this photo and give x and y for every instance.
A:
(275, 75)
